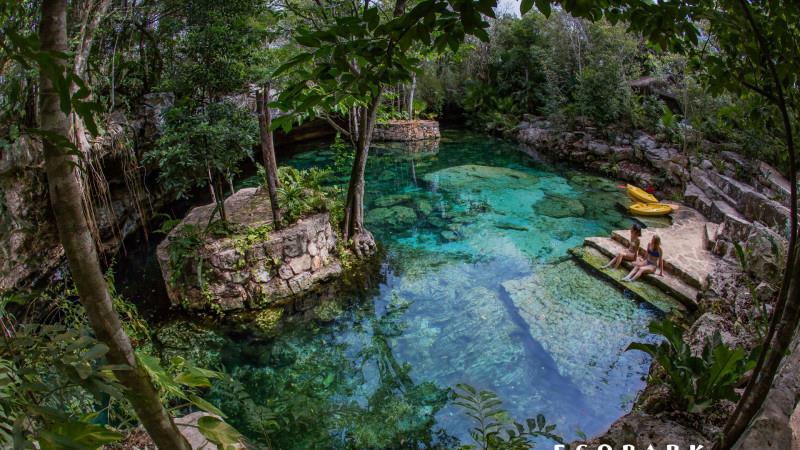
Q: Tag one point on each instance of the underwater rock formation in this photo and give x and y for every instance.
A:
(252, 267)
(477, 177)
(559, 206)
(395, 217)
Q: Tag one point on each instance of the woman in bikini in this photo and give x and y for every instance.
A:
(630, 253)
(654, 260)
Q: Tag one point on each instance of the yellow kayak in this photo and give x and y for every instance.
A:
(640, 195)
(650, 209)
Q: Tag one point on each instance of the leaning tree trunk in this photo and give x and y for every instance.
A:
(73, 230)
(410, 96)
(268, 151)
(786, 313)
(353, 227)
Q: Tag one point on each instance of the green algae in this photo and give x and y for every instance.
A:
(644, 291)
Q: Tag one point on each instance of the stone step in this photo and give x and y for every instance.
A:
(670, 283)
(779, 185)
(712, 191)
(752, 204)
(689, 276)
(718, 211)
(594, 259)
(712, 233)
(697, 199)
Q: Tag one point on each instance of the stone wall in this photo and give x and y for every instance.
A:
(406, 130)
(30, 251)
(251, 269)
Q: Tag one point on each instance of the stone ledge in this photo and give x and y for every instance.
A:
(250, 269)
(406, 130)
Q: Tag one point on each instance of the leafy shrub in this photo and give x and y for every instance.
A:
(202, 147)
(302, 192)
(57, 389)
(697, 382)
(493, 428)
(184, 254)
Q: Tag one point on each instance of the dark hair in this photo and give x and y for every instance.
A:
(635, 228)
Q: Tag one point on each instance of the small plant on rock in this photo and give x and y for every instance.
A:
(302, 192)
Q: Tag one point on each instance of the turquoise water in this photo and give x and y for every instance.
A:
(476, 287)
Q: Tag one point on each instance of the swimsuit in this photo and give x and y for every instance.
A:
(653, 253)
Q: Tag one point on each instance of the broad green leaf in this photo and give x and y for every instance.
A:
(219, 432)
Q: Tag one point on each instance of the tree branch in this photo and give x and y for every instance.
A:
(336, 126)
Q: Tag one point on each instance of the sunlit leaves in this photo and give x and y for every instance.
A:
(180, 380)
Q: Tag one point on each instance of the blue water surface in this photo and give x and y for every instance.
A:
(476, 287)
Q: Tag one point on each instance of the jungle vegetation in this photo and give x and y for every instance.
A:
(66, 66)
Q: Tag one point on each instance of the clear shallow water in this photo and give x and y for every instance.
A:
(477, 288)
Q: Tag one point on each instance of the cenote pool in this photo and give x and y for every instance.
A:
(476, 287)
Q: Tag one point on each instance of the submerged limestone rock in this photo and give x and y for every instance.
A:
(251, 267)
(474, 176)
(559, 207)
(581, 324)
(395, 217)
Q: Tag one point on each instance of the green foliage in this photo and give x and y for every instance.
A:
(49, 370)
(493, 428)
(184, 254)
(220, 433)
(349, 59)
(696, 382)
(200, 144)
(251, 236)
(214, 47)
(180, 381)
(302, 192)
(56, 386)
(558, 66)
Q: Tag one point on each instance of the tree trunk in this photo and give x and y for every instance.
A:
(353, 227)
(410, 97)
(786, 314)
(73, 230)
(220, 197)
(268, 151)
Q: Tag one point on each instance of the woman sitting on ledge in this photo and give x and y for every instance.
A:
(652, 261)
(631, 252)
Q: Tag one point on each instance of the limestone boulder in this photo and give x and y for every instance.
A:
(395, 217)
(643, 430)
(253, 267)
(559, 206)
(704, 329)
